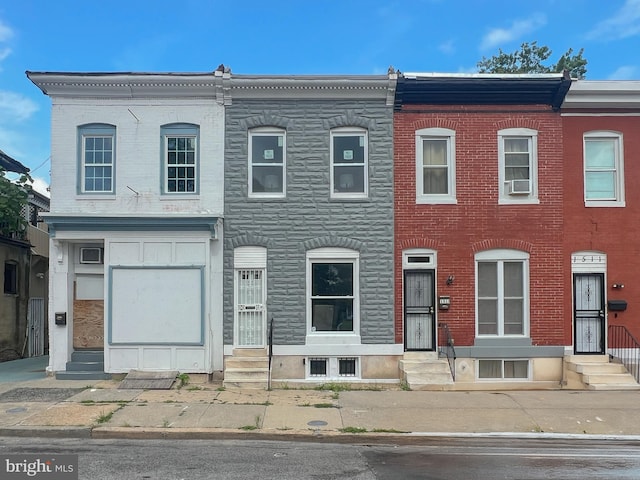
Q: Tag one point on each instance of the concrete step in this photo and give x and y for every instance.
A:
(85, 366)
(425, 367)
(246, 362)
(609, 379)
(587, 358)
(597, 368)
(250, 352)
(428, 378)
(613, 386)
(82, 375)
(87, 356)
(420, 356)
(235, 374)
(246, 384)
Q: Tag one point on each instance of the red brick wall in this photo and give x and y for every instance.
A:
(477, 222)
(614, 231)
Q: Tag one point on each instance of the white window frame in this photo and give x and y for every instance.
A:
(502, 377)
(180, 130)
(102, 131)
(267, 132)
(500, 256)
(334, 255)
(436, 134)
(504, 196)
(619, 198)
(349, 132)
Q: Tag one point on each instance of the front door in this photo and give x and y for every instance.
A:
(419, 310)
(589, 318)
(250, 315)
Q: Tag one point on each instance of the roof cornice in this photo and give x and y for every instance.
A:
(129, 85)
(612, 94)
(481, 89)
(311, 87)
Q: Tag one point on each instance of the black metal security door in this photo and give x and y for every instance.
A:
(419, 310)
(589, 318)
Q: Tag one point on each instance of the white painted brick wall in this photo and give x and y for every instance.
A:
(138, 156)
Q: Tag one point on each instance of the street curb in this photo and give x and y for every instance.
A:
(317, 436)
(46, 432)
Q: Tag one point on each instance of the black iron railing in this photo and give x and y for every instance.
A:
(270, 341)
(625, 348)
(446, 348)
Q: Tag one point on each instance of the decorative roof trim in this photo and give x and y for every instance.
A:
(130, 85)
(308, 87)
(588, 94)
(481, 89)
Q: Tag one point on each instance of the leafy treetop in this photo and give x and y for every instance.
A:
(13, 197)
(530, 59)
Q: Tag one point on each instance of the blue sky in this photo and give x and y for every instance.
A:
(285, 37)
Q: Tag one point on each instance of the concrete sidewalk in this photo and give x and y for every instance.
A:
(49, 407)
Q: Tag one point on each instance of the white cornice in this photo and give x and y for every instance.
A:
(128, 85)
(610, 94)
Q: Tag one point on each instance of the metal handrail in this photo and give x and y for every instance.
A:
(448, 349)
(270, 342)
(626, 348)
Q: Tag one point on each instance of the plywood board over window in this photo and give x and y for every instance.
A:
(156, 305)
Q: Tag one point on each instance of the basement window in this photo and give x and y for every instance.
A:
(332, 367)
(503, 369)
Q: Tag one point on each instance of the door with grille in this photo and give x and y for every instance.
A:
(589, 319)
(419, 310)
(250, 308)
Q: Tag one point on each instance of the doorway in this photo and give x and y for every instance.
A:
(589, 313)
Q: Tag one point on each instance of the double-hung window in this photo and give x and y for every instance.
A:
(502, 293)
(97, 158)
(435, 166)
(518, 158)
(332, 286)
(603, 170)
(349, 163)
(267, 165)
(180, 158)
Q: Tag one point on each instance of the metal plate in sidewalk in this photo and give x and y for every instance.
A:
(38, 394)
(143, 380)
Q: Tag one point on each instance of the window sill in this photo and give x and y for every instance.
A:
(524, 201)
(179, 196)
(436, 200)
(95, 196)
(605, 204)
(333, 338)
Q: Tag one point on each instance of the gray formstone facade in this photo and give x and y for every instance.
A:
(307, 217)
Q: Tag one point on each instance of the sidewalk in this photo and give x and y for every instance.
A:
(49, 407)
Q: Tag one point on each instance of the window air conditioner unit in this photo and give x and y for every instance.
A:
(519, 187)
(91, 255)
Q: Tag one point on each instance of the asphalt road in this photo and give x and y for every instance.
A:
(445, 458)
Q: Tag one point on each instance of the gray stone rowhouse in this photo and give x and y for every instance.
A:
(310, 219)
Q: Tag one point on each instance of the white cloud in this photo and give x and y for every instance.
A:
(626, 72)
(623, 24)
(5, 32)
(15, 107)
(4, 53)
(499, 36)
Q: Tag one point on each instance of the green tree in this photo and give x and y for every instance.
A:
(531, 58)
(13, 197)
